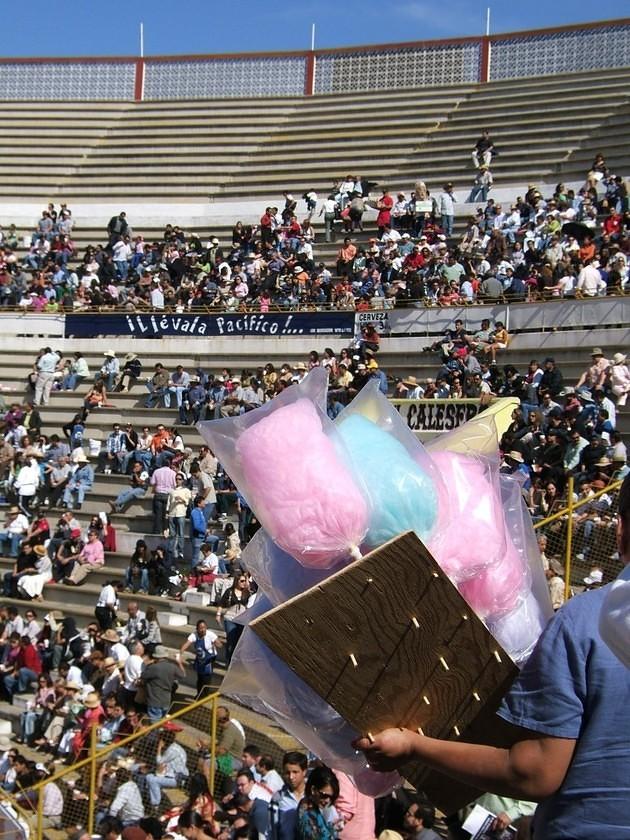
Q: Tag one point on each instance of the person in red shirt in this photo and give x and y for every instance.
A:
(266, 228)
(414, 260)
(384, 206)
(612, 224)
(26, 669)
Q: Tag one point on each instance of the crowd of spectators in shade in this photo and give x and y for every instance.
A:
(541, 245)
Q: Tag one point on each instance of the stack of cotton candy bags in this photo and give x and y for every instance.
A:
(326, 492)
(289, 463)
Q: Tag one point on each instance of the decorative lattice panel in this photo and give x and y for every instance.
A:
(48, 80)
(560, 52)
(397, 68)
(246, 77)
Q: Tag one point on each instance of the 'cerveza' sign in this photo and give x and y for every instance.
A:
(436, 415)
(150, 325)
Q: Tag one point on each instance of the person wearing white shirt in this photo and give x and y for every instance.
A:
(566, 285)
(14, 530)
(106, 606)
(46, 366)
(157, 295)
(446, 209)
(247, 786)
(132, 673)
(590, 282)
(127, 804)
(620, 378)
(268, 776)
(31, 626)
(390, 235)
(121, 253)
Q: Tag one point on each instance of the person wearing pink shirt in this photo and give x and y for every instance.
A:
(92, 556)
(356, 808)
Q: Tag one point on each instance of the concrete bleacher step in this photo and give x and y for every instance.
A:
(418, 125)
(60, 596)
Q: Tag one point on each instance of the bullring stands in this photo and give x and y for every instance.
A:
(239, 148)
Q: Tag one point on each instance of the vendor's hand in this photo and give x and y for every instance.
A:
(501, 822)
(388, 750)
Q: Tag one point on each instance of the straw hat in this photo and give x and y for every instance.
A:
(39, 550)
(92, 700)
(619, 359)
(110, 353)
(597, 351)
(411, 381)
(513, 455)
(72, 686)
(110, 636)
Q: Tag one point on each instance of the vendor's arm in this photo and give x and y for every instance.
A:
(544, 715)
(533, 768)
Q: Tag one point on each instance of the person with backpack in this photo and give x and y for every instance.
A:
(204, 644)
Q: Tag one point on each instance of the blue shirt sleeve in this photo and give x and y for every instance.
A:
(550, 693)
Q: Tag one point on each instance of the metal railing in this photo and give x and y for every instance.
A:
(80, 781)
(583, 532)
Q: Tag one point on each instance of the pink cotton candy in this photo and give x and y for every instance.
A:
(497, 589)
(470, 533)
(301, 490)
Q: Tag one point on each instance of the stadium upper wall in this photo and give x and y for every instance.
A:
(457, 61)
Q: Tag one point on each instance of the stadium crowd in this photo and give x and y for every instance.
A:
(115, 674)
(568, 244)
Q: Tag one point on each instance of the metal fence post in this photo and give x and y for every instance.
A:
(213, 741)
(93, 792)
(39, 815)
(569, 545)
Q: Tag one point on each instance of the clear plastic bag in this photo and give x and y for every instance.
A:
(260, 680)
(397, 472)
(518, 630)
(482, 537)
(278, 575)
(287, 460)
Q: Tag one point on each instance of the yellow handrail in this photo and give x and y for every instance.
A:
(116, 745)
(614, 485)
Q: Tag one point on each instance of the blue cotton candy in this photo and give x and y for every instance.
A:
(404, 497)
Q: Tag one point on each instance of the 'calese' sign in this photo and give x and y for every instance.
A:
(431, 416)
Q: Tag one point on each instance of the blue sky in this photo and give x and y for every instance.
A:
(88, 27)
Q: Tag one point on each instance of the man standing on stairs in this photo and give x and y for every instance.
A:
(162, 482)
(117, 227)
(446, 209)
(46, 366)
